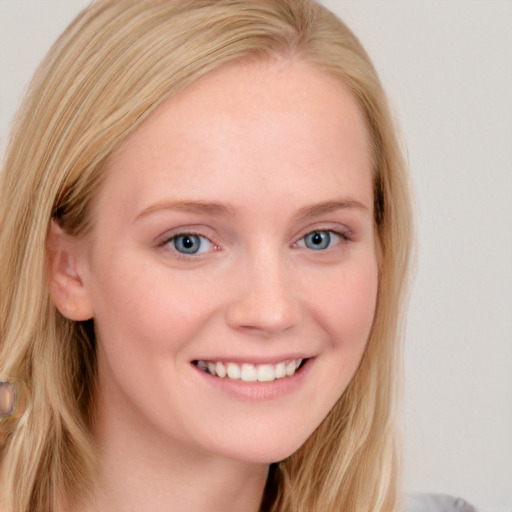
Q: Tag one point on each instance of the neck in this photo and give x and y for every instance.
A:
(142, 470)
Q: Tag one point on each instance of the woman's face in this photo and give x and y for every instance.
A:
(234, 234)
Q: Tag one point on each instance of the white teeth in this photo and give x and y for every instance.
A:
(233, 371)
(249, 372)
(266, 373)
(280, 370)
(290, 368)
(220, 370)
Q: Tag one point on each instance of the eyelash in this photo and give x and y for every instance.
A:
(184, 256)
(343, 238)
(166, 242)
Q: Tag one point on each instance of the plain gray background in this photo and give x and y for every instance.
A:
(447, 67)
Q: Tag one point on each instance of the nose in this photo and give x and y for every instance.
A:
(264, 300)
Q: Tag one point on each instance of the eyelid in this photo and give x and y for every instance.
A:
(201, 231)
(342, 230)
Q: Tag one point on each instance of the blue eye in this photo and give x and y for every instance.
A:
(188, 243)
(319, 240)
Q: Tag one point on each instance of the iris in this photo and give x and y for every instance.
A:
(317, 240)
(187, 244)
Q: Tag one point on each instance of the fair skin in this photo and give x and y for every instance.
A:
(234, 231)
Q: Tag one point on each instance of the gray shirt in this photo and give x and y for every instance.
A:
(436, 503)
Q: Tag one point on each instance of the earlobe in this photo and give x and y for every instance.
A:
(67, 288)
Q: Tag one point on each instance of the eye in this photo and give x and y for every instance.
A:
(320, 240)
(188, 243)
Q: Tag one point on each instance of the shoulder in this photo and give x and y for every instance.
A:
(436, 503)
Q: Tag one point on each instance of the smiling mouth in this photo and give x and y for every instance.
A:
(248, 372)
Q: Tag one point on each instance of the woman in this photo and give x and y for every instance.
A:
(205, 243)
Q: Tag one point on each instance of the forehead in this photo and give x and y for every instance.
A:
(278, 121)
(246, 88)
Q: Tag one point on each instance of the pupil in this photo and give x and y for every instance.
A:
(317, 238)
(188, 243)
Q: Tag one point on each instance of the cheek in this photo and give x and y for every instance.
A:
(148, 310)
(347, 307)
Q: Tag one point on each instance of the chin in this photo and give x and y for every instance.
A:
(262, 449)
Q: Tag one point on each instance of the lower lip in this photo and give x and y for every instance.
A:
(258, 390)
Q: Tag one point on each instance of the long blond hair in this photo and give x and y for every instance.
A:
(113, 66)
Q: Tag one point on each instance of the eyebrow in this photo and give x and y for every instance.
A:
(220, 209)
(204, 207)
(330, 206)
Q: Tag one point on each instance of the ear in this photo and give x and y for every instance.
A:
(67, 288)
